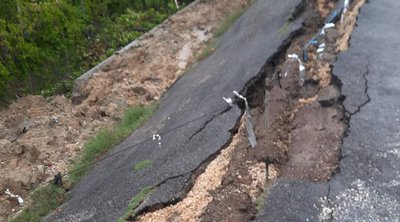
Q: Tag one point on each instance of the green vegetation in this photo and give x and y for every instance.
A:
(217, 33)
(46, 44)
(142, 164)
(260, 202)
(208, 50)
(288, 21)
(48, 198)
(44, 199)
(284, 28)
(136, 200)
(108, 138)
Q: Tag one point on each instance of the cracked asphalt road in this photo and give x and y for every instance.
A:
(367, 188)
(105, 192)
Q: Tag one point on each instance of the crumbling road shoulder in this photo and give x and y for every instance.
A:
(366, 184)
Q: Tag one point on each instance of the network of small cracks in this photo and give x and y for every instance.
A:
(365, 78)
(359, 107)
(192, 173)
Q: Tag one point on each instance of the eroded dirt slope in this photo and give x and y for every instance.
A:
(39, 137)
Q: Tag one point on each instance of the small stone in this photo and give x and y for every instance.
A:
(54, 120)
(13, 164)
(329, 96)
(331, 35)
(41, 169)
(139, 90)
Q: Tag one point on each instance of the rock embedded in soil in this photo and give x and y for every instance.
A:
(329, 96)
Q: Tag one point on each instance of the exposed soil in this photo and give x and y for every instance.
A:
(299, 129)
(192, 206)
(40, 137)
(296, 136)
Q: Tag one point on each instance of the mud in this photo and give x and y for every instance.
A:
(40, 137)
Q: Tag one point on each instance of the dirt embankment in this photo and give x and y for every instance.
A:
(299, 129)
(39, 137)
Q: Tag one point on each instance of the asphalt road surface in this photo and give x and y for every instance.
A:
(104, 194)
(367, 187)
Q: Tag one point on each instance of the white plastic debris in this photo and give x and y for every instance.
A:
(249, 122)
(158, 137)
(19, 198)
(345, 8)
(327, 26)
(302, 68)
(266, 111)
(302, 75)
(229, 101)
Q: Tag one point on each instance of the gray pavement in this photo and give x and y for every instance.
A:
(367, 188)
(105, 192)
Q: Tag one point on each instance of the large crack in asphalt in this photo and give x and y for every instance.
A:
(248, 91)
(253, 85)
(250, 83)
(310, 189)
(110, 185)
(364, 76)
(206, 123)
(189, 177)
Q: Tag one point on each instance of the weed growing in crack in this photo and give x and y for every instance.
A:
(261, 201)
(136, 200)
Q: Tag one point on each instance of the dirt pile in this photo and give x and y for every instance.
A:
(160, 57)
(40, 137)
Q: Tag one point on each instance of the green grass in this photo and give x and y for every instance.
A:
(44, 200)
(136, 200)
(260, 202)
(288, 22)
(142, 164)
(106, 139)
(285, 28)
(48, 198)
(208, 50)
